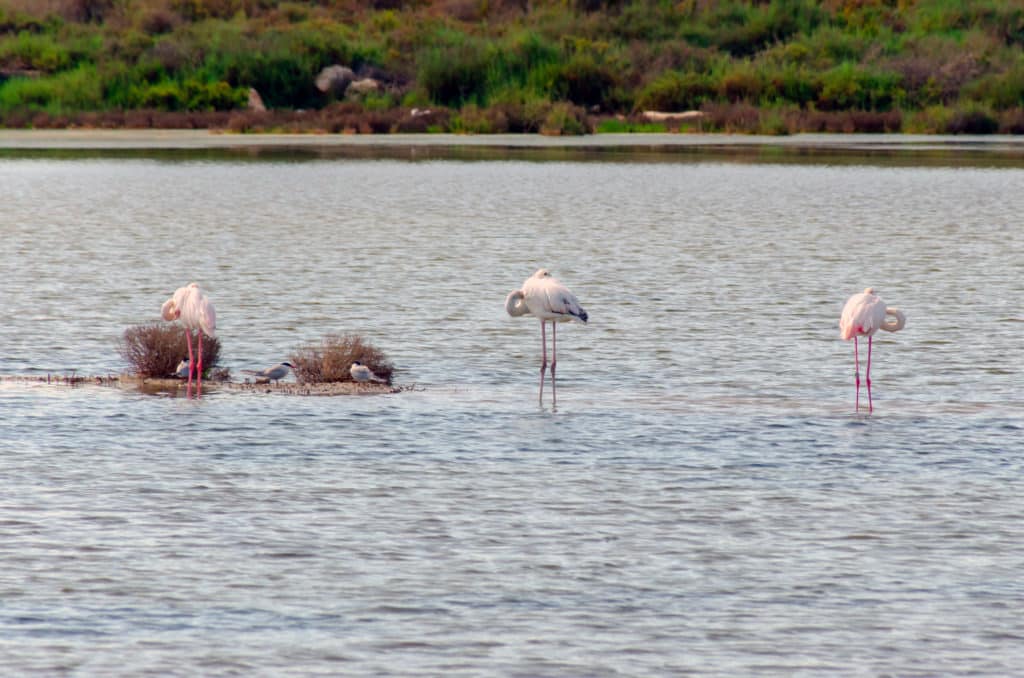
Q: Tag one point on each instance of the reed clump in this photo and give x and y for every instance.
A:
(155, 349)
(330, 359)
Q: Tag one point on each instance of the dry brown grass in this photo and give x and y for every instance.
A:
(154, 350)
(330, 360)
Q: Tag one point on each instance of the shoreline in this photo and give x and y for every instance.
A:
(188, 139)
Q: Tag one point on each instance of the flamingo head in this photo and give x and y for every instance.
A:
(170, 310)
(542, 273)
(869, 290)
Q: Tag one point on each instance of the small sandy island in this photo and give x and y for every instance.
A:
(173, 386)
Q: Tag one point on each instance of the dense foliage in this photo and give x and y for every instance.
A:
(560, 66)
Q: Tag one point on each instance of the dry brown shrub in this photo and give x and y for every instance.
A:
(875, 122)
(732, 118)
(972, 122)
(1012, 121)
(138, 119)
(330, 360)
(154, 350)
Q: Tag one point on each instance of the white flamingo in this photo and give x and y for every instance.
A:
(191, 306)
(544, 297)
(863, 315)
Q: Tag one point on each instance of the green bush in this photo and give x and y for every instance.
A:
(35, 51)
(792, 85)
(1002, 91)
(852, 87)
(582, 80)
(78, 89)
(190, 95)
(675, 91)
(565, 120)
(453, 76)
(511, 63)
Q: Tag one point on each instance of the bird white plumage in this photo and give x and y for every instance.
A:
(865, 313)
(545, 297)
(862, 316)
(192, 307)
(274, 373)
(362, 374)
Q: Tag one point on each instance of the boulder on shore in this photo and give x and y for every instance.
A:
(334, 79)
(255, 102)
(364, 86)
(672, 116)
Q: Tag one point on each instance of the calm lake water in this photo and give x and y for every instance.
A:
(703, 501)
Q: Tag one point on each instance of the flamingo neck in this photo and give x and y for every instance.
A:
(896, 323)
(515, 304)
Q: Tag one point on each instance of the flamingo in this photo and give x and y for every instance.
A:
(191, 305)
(362, 374)
(274, 373)
(863, 315)
(545, 297)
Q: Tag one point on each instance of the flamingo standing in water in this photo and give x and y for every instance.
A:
(863, 315)
(191, 305)
(544, 297)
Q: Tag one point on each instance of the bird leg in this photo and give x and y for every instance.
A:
(199, 367)
(867, 378)
(191, 358)
(856, 372)
(554, 358)
(543, 360)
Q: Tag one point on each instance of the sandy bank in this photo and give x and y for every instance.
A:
(70, 139)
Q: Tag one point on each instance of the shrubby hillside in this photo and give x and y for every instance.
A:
(557, 66)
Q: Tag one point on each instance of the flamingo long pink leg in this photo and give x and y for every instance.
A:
(199, 367)
(544, 359)
(867, 378)
(856, 372)
(191, 362)
(554, 359)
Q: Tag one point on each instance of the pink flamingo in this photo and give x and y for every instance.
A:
(863, 315)
(544, 297)
(191, 305)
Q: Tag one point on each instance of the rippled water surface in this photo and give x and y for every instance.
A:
(703, 501)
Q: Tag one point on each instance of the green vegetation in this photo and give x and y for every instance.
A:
(486, 66)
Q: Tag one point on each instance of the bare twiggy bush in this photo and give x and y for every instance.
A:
(330, 360)
(154, 350)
